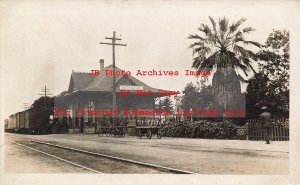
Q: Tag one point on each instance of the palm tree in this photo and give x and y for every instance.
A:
(221, 49)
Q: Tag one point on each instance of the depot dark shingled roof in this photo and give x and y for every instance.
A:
(80, 80)
(86, 82)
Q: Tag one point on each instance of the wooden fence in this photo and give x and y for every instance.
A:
(279, 130)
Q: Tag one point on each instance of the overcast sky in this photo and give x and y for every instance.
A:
(41, 42)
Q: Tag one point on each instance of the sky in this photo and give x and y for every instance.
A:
(43, 41)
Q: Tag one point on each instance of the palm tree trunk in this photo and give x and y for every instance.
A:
(226, 89)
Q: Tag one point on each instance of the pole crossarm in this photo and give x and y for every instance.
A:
(113, 44)
(113, 38)
(45, 91)
(121, 44)
(106, 43)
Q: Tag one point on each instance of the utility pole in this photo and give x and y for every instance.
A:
(45, 91)
(113, 44)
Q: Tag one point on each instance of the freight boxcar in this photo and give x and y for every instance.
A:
(10, 124)
(17, 122)
(30, 122)
(6, 123)
(30, 125)
(13, 123)
(24, 122)
(27, 119)
(21, 122)
(9, 128)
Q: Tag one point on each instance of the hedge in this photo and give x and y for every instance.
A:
(202, 129)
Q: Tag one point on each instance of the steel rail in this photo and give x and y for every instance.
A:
(149, 165)
(61, 159)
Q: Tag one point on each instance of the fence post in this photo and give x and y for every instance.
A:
(247, 130)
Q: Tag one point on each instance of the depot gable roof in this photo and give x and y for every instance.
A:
(103, 83)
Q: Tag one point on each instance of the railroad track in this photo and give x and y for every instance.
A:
(117, 161)
(58, 158)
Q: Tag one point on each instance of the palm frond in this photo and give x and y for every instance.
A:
(202, 50)
(227, 42)
(205, 29)
(201, 61)
(208, 63)
(238, 35)
(223, 25)
(215, 36)
(196, 44)
(244, 57)
(197, 61)
(238, 39)
(234, 60)
(247, 62)
(253, 43)
(210, 37)
(195, 36)
(243, 52)
(242, 79)
(235, 25)
(248, 29)
(214, 24)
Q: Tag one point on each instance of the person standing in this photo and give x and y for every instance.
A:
(267, 124)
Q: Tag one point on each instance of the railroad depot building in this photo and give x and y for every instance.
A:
(88, 102)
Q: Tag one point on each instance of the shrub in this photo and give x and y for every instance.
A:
(202, 129)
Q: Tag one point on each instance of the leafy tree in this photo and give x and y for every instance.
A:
(159, 105)
(191, 98)
(275, 57)
(221, 49)
(197, 97)
(271, 85)
(167, 104)
(205, 96)
(42, 108)
(46, 103)
(256, 94)
(59, 101)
